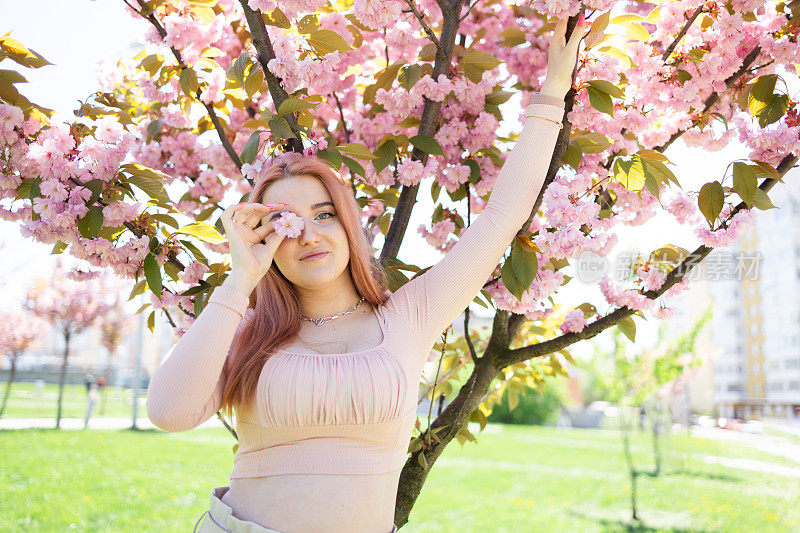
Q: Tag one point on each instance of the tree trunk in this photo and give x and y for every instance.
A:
(625, 428)
(11, 373)
(656, 427)
(63, 377)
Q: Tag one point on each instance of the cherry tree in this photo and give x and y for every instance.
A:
(70, 302)
(640, 380)
(403, 98)
(20, 333)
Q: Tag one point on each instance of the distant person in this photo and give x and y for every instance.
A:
(93, 396)
(101, 384)
(88, 380)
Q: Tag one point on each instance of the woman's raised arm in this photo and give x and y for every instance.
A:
(431, 301)
(186, 389)
(435, 298)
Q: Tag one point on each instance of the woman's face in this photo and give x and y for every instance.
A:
(309, 199)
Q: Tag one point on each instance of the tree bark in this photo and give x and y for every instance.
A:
(12, 371)
(67, 335)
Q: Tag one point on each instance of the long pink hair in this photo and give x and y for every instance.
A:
(275, 316)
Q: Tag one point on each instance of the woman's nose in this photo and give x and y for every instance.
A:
(309, 232)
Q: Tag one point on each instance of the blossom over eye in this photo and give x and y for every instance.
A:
(288, 224)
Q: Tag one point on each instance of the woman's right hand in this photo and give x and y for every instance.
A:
(252, 243)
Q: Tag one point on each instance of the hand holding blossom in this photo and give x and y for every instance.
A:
(288, 224)
(562, 57)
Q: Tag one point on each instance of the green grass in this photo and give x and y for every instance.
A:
(515, 478)
(24, 402)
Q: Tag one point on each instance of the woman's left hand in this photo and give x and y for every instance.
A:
(562, 56)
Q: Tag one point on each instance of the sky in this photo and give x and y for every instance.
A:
(75, 36)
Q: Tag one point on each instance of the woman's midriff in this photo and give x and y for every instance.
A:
(317, 502)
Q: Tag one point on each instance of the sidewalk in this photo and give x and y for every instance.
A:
(766, 443)
(94, 423)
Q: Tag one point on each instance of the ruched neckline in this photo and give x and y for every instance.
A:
(381, 346)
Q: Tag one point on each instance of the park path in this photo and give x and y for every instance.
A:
(771, 444)
(94, 423)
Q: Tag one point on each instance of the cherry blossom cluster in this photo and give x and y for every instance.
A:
(656, 105)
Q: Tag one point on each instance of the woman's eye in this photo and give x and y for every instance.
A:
(327, 213)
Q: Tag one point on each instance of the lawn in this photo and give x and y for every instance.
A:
(24, 401)
(514, 478)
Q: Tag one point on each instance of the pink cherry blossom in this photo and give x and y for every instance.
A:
(574, 322)
(288, 224)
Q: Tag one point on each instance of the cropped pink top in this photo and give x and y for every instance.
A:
(352, 413)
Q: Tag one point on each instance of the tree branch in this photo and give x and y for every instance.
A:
(209, 108)
(428, 122)
(262, 44)
(674, 276)
(428, 30)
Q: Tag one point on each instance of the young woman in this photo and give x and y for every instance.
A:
(319, 359)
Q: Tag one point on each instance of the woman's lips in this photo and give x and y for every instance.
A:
(315, 257)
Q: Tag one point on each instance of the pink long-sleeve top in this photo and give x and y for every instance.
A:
(352, 413)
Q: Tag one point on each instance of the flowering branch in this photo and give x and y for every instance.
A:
(428, 30)
(263, 45)
(226, 143)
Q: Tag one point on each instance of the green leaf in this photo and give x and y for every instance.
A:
(154, 130)
(354, 166)
(513, 37)
(279, 127)
(745, 182)
(277, 18)
(761, 92)
(203, 231)
(153, 274)
(480, 60)
(607, 87)
(775, 109)
(165, 218)
(91, 223)
(331, 156)
(630, 174)
(591, 143)
(326, 41)
(291, 105)
(138, 289)
(195, 251)
(250, 149)
(409, 75)
(422, 461)
(573, 155)
(711, 200)
(152, 187)
(356, 150)
(254, 81)
(498, 97)
(238, 67)
(651, 184)
(628, 327)
(384, 154)
(307, 24)
(58, 247)
(384, 80)
(11, 76)
(761, 200)
(427, 144)
(600, 100)
(519, 271)
(474, 170)
(189, 83)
